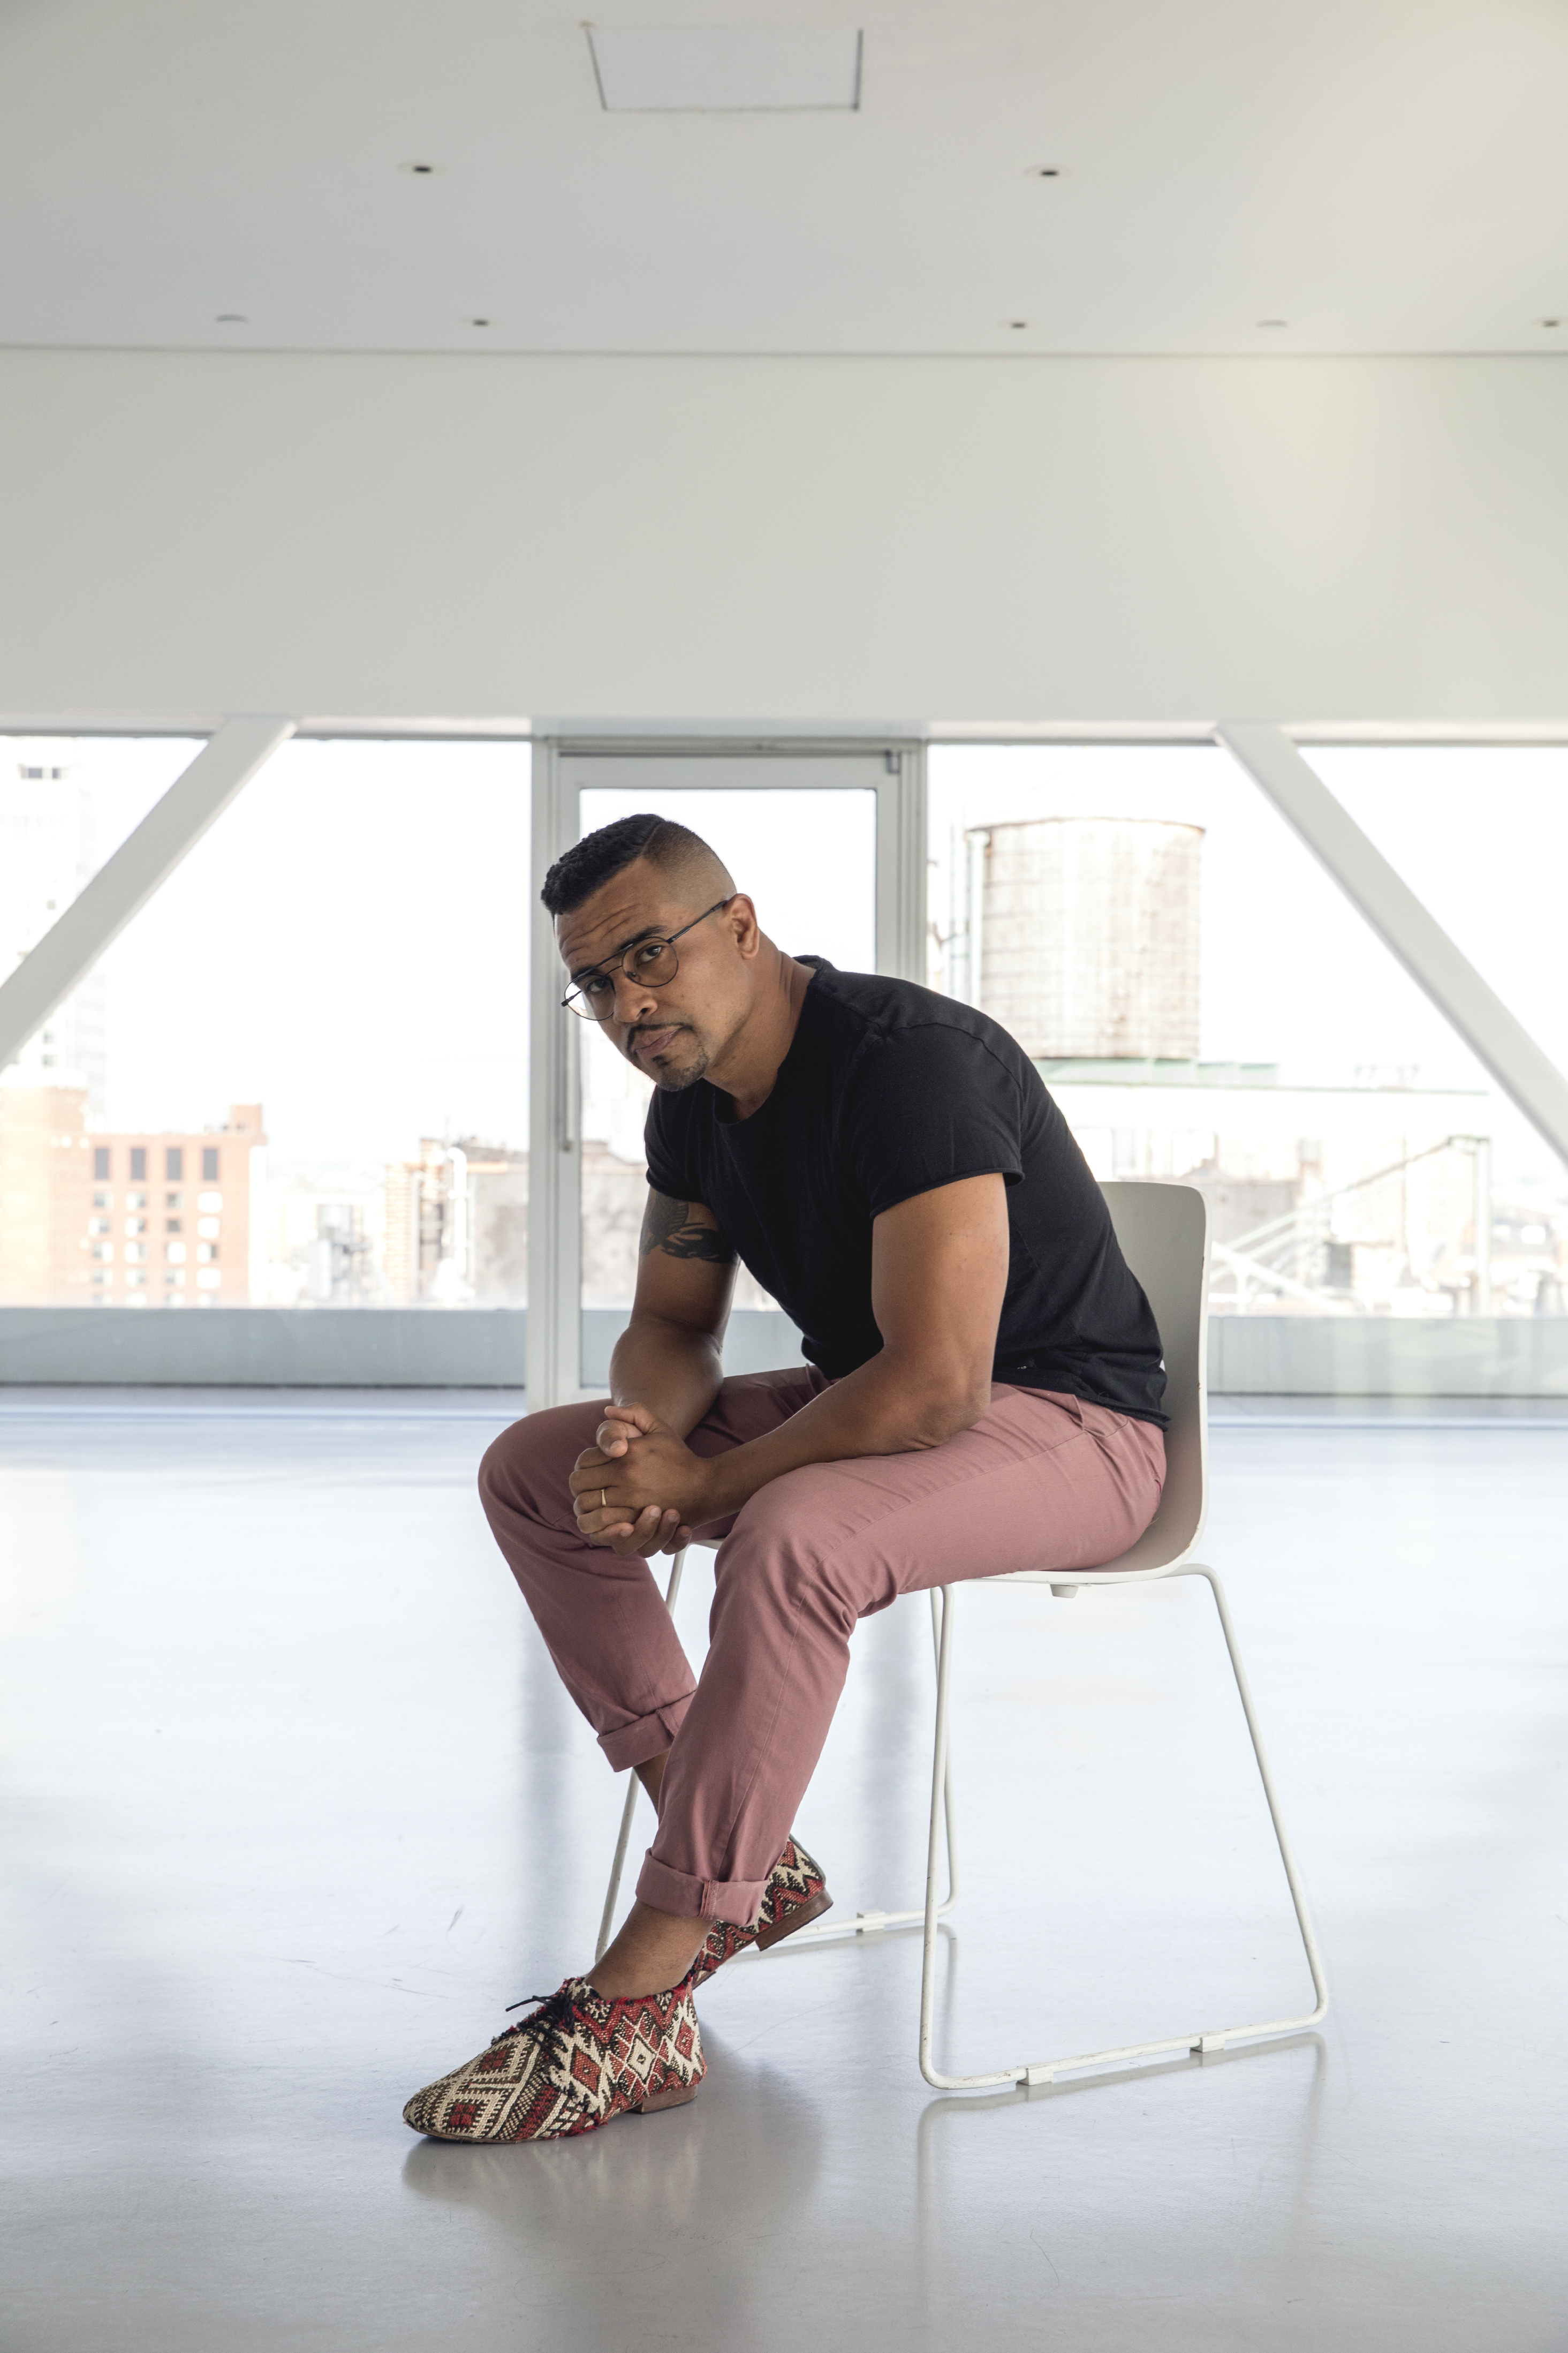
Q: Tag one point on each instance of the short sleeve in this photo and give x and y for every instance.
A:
(932, 1105)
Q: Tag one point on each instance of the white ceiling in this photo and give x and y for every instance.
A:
(1383, 175)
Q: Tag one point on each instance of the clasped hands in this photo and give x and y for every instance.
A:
(640, 1488)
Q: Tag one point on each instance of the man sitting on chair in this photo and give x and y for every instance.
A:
(981, 1394)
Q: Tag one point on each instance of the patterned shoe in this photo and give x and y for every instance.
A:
(574, 2064)
(796, 1892)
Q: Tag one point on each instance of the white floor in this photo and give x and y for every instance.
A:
(293, 1806)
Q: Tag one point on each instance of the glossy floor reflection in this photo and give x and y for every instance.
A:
(294, 1806)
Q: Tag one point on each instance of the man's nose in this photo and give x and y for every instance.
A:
(635, 995)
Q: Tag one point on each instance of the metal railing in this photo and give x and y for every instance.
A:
(1273, 1256)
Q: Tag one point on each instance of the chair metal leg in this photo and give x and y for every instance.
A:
(1200, 2040)
(939, 1782)
(630, 1808)
(1287, 1855)
(866, 1923)
(863, 1922)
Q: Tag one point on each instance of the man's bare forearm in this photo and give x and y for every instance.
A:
(889, 1406)
(672, 1370)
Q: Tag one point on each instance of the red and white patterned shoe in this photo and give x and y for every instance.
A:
(796, 1892)
(574, 2064)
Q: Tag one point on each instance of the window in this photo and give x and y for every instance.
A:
(395, 1173)
(382, 1158)
(173, 1225)
(65, 805)
(206, 1251)
(174, 1252)
(1223, 1016)
(102, 1200)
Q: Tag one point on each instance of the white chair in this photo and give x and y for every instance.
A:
(1163, 1233)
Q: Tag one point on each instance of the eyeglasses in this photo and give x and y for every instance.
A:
(653, 962)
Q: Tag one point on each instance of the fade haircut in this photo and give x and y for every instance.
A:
(599, 857)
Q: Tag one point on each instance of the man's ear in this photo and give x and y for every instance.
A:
(741, 916)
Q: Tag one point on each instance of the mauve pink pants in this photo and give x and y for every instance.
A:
(1041, 1480)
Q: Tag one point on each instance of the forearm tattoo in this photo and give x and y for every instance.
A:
(668, 1226)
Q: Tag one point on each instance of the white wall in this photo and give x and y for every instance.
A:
(894, 540)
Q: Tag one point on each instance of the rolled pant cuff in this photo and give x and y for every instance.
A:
(736, 1901)
(649, 1736)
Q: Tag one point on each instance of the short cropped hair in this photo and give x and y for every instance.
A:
(599, 857)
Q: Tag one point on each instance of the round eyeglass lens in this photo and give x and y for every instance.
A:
(653, 961)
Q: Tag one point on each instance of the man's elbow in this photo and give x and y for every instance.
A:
(648, 1323)
(951, 1404)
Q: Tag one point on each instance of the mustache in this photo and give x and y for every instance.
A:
(651, 1030)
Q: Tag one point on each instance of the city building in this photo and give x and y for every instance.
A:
(1338, 1200)
(324, 1233)
(455, 1226)
(1082, 936)
(141, 1219)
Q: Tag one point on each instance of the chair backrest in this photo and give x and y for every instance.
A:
(1164, 1230)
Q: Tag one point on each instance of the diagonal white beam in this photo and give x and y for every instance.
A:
(125, 883)
(1492, 1033)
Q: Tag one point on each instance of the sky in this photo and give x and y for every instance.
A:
(348, 944)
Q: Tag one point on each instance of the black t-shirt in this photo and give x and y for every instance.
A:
(888, 1091)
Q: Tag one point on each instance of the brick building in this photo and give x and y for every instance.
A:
(125, 1220)
(173, 1216)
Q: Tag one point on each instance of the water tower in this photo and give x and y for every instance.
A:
(1089, 936)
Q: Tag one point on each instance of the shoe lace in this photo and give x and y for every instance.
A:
(555, 2019)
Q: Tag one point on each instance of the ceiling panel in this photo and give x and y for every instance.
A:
(1099, 176)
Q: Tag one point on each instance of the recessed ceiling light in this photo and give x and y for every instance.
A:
(231, 319)
(1551, 322)
(1045, 171)
(1273, 322)
(478, 322)
(420, 171)
(1015, 323)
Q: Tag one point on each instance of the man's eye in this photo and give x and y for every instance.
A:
(597, 987)
(651, 952)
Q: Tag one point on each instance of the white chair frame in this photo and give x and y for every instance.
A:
(1163, 1233)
